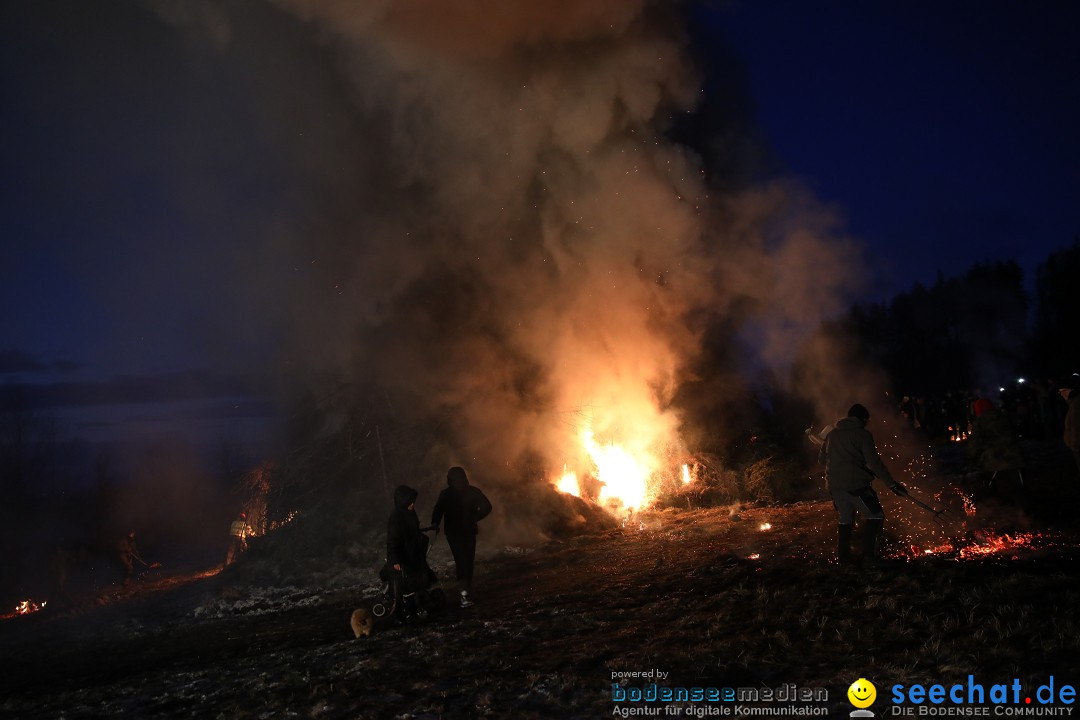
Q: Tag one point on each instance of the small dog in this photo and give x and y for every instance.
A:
(362, 622)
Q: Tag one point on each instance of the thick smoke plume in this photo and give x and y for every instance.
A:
(534, 247)
(527, 254)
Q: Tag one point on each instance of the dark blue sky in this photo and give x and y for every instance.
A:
(945, 134)
(137, 174)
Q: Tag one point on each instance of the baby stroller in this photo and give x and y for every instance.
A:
(410, 594)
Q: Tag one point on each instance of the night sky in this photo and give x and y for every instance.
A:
(146, 169)
(945, 132)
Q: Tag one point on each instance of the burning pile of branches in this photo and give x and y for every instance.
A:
(622, 480)
(26, 607)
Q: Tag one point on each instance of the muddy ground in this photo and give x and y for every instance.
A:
(704, 595)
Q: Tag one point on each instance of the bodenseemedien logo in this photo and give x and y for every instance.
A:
(862, 695)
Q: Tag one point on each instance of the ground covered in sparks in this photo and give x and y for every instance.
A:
(708, 596)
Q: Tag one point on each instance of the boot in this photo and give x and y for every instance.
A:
(843, 544)
(871, 531)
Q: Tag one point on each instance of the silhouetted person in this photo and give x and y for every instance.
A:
(993, 444)
(238, 535)
(406, 566)
(907, 411)
(1069, 387)
(1048, 408)
(851, 463)
(127, 554)
(463, 505)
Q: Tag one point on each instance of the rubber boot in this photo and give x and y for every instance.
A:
(871, 531)
(843, 544)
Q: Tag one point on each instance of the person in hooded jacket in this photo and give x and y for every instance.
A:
(406, 549)
(463, 506)
(993, 445)
(1069, 388)
(851, 463)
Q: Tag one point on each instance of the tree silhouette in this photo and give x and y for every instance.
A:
(1055, 345)
(961, 333)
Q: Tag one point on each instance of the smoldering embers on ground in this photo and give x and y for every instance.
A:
(706, 595)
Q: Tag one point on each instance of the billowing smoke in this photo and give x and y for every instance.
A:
(531, 256)
(539, 243)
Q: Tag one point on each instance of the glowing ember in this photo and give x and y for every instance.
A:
(969, 502)
(285, 521)
(754, 556)
(990, 543)
(686, 475)
(765, 526)
(981, 543)
(568, 483)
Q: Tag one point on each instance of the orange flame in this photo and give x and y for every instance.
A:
(28, 606)
(568, 483)
(622, 447)
(624, 475)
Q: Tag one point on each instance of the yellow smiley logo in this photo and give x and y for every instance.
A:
(862, 693)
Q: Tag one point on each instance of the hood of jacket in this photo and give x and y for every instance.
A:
(404, 496)
(456, 478)
(850, 423)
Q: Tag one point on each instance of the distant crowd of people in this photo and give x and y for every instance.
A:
(1034, 410)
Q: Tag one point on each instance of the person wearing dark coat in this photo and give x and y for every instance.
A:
(127, 554)
(993, 445)
(463, 506)
(238, 535)
(406, 549)
(851, 463)
(1069, 388)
